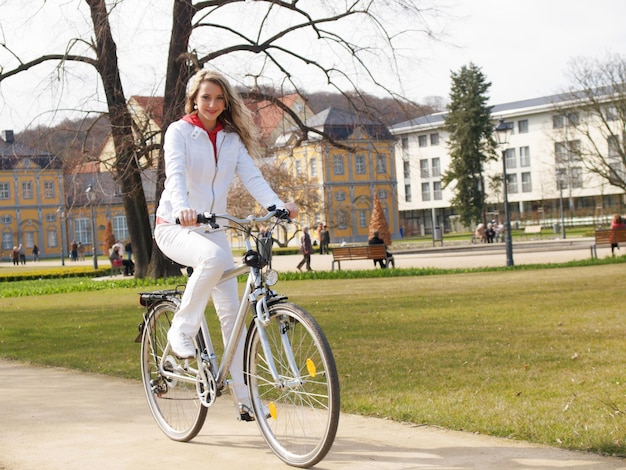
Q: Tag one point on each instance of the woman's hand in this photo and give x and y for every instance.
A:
(188, 217)
(293, 209)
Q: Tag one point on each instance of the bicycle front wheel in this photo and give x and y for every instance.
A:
(298, 415)
(174, 402)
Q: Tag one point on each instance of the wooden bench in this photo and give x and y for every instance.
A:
(607, 237)
(348, 253)
(532, 230)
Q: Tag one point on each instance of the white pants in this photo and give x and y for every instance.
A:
(209, 255)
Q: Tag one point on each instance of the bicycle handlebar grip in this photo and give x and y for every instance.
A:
(201, 219)
(280, 213)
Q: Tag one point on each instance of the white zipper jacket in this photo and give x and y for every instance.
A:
(197, 179)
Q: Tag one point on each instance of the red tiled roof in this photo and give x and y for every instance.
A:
(153, 106)
(267, 116)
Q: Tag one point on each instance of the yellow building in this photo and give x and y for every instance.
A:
(31, 199)
(42, 205)
(349, 171)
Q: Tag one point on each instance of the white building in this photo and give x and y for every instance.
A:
(544, 148)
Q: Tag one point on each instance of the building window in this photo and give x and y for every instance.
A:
(425, 192)
(82, 232)
(298, 167)
(407, 193)
(340, 196)
(342, 219)
(424, 169)
(29, 239)
(6, 219)
(576, 177)
(52, 238)
(524, 157)
(405, 143)
(436, 165)
(560, 153)
(27, 190)
(7, 241)
(572, 119)
(437, 195)
(527, 184)
(422, 140)
(558, 121)
(313, 167)
(338, 164)
(48, 190)
(5, 193)
(522, 126)
(434, 139)
(381, 164)
(362, 218)
(407, 170)
(359, 162)
(120, 228)
(511, 161)
(613, 142)
(610, 113)
(566, 152)
(512, 183)
(382, 194)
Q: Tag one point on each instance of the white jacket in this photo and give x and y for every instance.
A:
(195, 179)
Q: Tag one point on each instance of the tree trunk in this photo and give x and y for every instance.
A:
(127, 172)
(180, 67)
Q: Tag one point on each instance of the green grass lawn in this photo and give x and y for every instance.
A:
(534, 354)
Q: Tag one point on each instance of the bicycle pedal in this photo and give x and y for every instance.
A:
(247, 417)
(245, 414)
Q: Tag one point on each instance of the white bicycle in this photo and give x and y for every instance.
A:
(288, 364)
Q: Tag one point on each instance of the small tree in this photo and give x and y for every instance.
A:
(109, 238)
(471, 143)
(378, 223)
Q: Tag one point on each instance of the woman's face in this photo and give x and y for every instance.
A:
(210, 102)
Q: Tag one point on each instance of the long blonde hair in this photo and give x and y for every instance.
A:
(236, 117)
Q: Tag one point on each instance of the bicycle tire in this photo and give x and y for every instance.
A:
(299, 421)
(174, 404)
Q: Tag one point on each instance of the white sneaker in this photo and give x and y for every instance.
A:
(182, 345)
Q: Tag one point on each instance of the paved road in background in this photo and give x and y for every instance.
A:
(53, 418)
(446, 256)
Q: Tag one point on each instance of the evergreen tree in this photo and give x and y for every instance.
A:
(471, 143)
(378, 223)
(109, 238)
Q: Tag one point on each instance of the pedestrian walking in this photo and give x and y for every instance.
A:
(306, 249)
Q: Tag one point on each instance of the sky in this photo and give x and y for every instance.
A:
(522, 47)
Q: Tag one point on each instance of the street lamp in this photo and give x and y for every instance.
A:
(61, 212)
(91, 197)
(502, 133)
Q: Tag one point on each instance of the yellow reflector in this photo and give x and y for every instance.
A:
(310, 366)
(272, 408)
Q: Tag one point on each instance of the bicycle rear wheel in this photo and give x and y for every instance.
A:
(298, 417)
(174, 403)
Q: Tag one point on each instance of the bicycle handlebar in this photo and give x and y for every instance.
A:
(210, 218)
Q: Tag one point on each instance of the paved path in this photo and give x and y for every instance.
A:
(58, 419)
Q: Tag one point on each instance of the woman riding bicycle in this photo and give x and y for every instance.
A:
(203, 152)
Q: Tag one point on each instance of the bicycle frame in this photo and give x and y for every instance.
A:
(255, 295)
